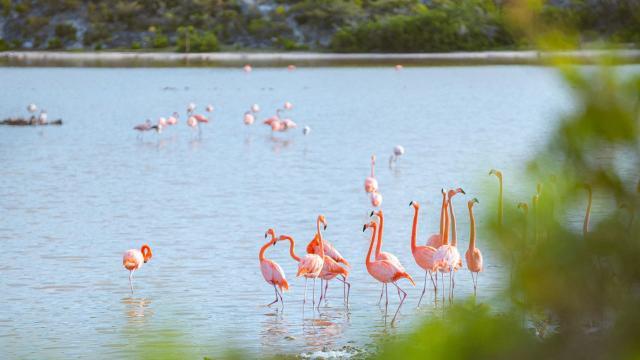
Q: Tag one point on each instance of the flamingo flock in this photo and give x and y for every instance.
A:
(194, 121)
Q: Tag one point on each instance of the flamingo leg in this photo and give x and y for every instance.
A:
(346, 284)
(424, 288)
(281, 299)
(381, 293)
(321, 287)
(326, 287)
(401, 301)
(304, 300)
(435, 285)
(130, 281)
(276, 300)
(386, 296)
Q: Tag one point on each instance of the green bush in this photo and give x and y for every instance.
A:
(97, 33)
(191, 40)
(4, 46)
(136, 45)
(66, 33)
(160, 41)
(54, 43)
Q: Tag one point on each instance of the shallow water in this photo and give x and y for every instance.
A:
(75, 197)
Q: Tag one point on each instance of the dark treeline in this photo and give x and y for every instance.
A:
(335, 25)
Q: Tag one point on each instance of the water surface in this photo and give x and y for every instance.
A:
(75, 197)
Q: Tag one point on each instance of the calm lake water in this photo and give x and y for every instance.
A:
(75, 197)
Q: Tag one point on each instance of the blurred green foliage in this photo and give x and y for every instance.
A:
(338, 25)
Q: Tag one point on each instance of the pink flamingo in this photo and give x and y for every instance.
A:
(289, 124)
(247, 68)
(447, 257)
(399, 67)
(209, 108)
(473, 254)
(255, 108)
(383, 255)
(331, 270)
(248, 118)
(141, 128)
(423, 255)
(162, 121)
(173, 119)
(376, 198)
(288, 105)
(133, 259)
(385, 271)
(310, 265)
(201, 118)
(191, 108)
(291, 67)
(329, 250)
(192, 122)
(370, 183)
(435, 240)
(271, 271)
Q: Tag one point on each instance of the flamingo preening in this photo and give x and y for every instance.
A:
(133, 259)
(271, 271)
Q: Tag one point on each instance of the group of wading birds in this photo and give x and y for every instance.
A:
(276, 122)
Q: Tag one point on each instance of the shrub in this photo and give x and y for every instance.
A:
(54, 43)
(66, 32)
(4, 46)
(160, 41)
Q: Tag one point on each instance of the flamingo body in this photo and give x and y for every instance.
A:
(314, 248)
(273, 274)
(310, 266)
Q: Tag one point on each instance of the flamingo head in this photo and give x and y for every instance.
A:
(497, 173)
(454, 192)
(322, 220)
(146, 252)
(270, 232)
(283, 238)
(376, 213)
(415, 205)
(372, 224)
(473, 201)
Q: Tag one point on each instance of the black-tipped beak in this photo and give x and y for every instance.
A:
(265, 235)
(411, 203)
(325, 226)
(364, 227)
(370, 215)
(146, 261)
(462, 191)
(476, 201)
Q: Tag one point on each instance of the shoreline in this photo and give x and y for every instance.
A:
(275, 59)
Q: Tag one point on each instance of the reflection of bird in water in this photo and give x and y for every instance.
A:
(137, 309)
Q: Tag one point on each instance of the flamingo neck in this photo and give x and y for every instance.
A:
(454, 235)
(373, 164)
(291, 248)
(320, 239)
(472, 231)
(442, 211)
(263, 249)
(445, 233)
(414, 230)
(146, 252)
(379, 244)
(373, 238)
(587, 216)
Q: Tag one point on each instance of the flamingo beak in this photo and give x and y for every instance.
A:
(370, 215)
(462, 191)
(411, 203)
(325, 226)
(364, 227)
(265, 235)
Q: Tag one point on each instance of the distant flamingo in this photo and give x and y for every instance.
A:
(289, 124)
(288, 105)
(383, 255)
(248, 118)
(473, 254)
(399, 67)
(162, 121)
(191, 108)
(376, 198)
(141, 128)
(498, 174)
(306, 130)
(201, 118)
(271, 271)
(42, 118)
(447, 258)
(587, 215)
(423, 255)
(133, 259)
(32, 108)
(291, 67)
(209, 108)
(435, 240)
(385, 271)
(398, 151)
(247, 68)
(370, 183)
(192, 122)
(255, 108)
(173, 119)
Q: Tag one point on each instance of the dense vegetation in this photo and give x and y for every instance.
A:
(338, 25)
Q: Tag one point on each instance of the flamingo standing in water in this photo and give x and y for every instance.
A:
(447, 258)
(291, 67)
(435, 240)
(383, 255)
(141, 128)
(370, 183)
(385, 271)
(193, 123)
(209, 108)
(473, 254)
(271, 271)
(173, 119)
(133, 259)
(398, 151)
(162, 121)
(288, 105)
(42, 118)
(423, 255)
(191, 108)
(247, 68)
(255, 108)
(248, 118)
(331, 270)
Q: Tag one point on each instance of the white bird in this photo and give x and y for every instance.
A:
(191, 107)
(306, 130)
(209, 108)
(398, 151)
(42, 119)
(32, 108)
(288, 105)
(255, 108)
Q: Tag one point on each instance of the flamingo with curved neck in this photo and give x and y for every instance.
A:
(382, 255)
(498, 174)
(133, 259)
(271, 271)
(435, 240)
